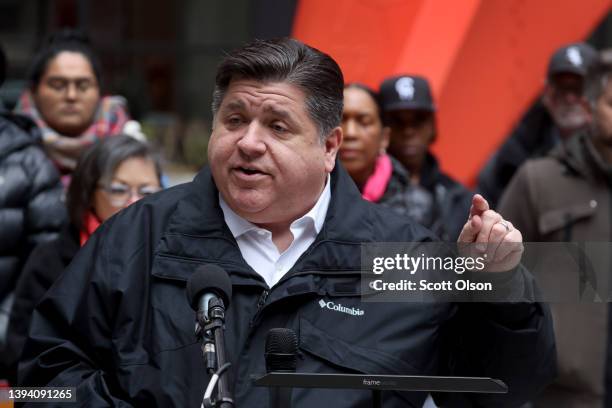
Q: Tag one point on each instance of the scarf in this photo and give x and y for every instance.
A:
(109, 119)
(377, 183)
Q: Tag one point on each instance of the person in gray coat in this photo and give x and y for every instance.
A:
(566, 197)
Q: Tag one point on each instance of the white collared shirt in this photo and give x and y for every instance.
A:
(256, 244)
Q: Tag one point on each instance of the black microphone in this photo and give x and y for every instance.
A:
(209, 291)
(281, 356)
(208, 282)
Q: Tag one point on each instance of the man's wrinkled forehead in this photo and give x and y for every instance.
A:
(240, 105)
(281, 98)
(258, 89)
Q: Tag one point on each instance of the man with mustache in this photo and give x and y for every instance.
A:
(554, 119)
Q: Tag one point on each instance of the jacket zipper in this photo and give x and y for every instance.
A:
(260, 305)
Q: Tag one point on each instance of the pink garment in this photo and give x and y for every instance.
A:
(377, 183)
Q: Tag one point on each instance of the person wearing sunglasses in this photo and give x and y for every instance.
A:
(110, 175)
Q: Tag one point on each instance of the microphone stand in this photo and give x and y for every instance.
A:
(210, 330)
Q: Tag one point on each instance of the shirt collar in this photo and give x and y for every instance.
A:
(239, 226)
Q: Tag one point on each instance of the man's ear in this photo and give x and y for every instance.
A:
(332, 144)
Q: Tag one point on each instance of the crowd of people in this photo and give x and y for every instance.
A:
(66, 165)
(301, 169)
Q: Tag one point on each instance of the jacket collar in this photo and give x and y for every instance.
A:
(400, 172)
(580, 156)
(315, 217)
(199, 213)
(198, 219)
(347, 216)
(430, 172)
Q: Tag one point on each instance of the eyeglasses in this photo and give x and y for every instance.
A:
(62, 85)
(120, 194)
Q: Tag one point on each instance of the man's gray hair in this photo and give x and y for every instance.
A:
(291, 61)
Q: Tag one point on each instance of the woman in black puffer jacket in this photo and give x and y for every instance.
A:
(31, 207)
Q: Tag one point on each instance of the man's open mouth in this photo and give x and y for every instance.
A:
(249, 171)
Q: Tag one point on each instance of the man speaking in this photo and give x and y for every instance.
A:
(277, 212)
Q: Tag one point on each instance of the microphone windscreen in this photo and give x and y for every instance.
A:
(281, 350)
(209, 279)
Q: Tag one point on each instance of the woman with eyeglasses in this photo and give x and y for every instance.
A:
(110, 175)
(64, 99)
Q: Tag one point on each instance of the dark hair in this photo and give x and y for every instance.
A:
(373, 94)
(596, 81)
(70, 40)
(288, 60)
(97, 165)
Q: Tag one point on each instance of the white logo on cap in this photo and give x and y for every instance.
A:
(573, 55)
(405, 88)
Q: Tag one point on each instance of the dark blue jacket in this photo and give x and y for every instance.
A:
(118, 326)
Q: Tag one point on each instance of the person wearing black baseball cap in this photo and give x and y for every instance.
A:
(434, 199)
(561, 112)
(563, 94)
(408, 110)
